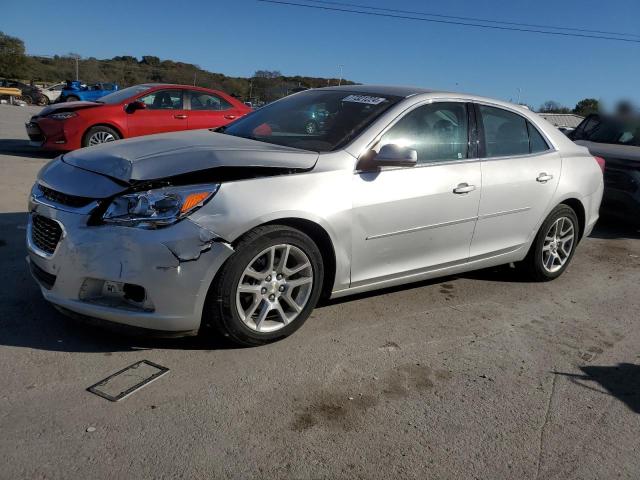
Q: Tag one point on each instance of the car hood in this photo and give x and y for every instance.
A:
(166, 155)
(66, 107)
(609, 150)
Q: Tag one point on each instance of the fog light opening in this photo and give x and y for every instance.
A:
(133, 292)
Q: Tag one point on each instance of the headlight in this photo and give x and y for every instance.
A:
(63, 115)
(158, 207)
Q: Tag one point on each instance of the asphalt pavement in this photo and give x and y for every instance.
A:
(476, 376)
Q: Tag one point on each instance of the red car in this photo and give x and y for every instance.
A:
(131, 112)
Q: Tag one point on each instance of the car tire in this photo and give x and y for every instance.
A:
(27, 99)
(553, 247)
(43, 100)
(98, 135)
(256, 308)
(71, 98)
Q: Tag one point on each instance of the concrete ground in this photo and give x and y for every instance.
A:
(477, 376)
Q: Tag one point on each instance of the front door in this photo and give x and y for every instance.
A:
(412, 219)
(520, 174)
(164, 112)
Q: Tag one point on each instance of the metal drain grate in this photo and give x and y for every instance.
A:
(123, 383)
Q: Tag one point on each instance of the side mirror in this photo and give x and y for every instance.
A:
(133, 106)
(394, 156)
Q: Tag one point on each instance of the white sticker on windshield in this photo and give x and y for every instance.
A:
(364, 99)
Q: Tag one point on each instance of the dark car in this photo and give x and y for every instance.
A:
(30, 94)
(617, 140)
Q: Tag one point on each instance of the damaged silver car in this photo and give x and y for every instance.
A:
(246, 227)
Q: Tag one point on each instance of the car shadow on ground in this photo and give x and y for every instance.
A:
(21, 148)
(29, 321)
(621, 381)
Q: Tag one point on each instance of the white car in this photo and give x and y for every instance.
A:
(244, 227)
(53, 92)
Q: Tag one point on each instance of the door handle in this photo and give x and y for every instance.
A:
(544, 177)
(180, 116)
(229, 117)
(464, 188)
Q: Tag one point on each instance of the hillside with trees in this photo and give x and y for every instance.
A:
(265, 85)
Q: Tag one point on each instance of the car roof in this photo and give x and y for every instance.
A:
(175, 85)
(394, 90)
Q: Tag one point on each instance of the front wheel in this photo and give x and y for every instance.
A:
(98, 135)
(71, 98)
(268, 287)
(554, 245)
(43, 100)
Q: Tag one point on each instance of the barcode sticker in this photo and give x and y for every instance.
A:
(364, 99)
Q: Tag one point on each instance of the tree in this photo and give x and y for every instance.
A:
(551, 106)
(150, 60)
(587, 106)
(13, 61)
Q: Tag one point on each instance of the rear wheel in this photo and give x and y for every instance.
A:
(554, 245)
(71, 98)
(43, 100)
(27, 99)
(268, 287)
(99, 134)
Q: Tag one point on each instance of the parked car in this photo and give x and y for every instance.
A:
(30, 94)
(53, 92)
(132, 112)
(75, 91)
(245, 228)
(617, 140)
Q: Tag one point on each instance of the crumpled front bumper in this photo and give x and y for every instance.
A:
(175, 265)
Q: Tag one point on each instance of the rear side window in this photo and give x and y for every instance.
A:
(505, 133)
(208, 101)
(537, 144)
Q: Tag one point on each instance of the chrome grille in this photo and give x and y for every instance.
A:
(45, 233)
(63, 198)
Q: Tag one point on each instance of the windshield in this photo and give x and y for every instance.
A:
(122, 95)
(316, 120)
(616, 131)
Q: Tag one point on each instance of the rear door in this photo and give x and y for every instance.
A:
(209, 110)
(164, 112)
(520, 173)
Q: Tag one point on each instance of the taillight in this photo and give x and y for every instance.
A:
(601, 163)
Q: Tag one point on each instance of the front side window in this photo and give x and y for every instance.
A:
(208, 101)
(163, 100)
(505, 132)
(437, 132)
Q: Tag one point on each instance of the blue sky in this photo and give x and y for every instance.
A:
(237, 37)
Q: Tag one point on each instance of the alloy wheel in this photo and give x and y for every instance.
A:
(100, 137)
(558, 244)
(274, 288)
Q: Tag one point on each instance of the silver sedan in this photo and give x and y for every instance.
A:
(327, 192)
